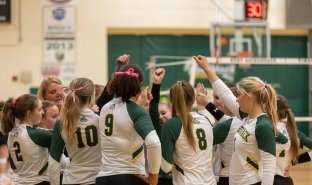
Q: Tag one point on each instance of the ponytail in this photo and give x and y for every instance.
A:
(293, 135)
(79, 96)
(285, 113)
(182, 96)
(264, 93)
(17, 108)
(8, 119)
(268, 99)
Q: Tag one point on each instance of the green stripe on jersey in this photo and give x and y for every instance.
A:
(12, 163)
(57, 144)
(137, 152)
(39, 136)
(43, 169)
(140, 118)
(252, 163)
(242, 114)
(221, 131)
(265, 135)
(170, 132)
(281, 138)
(179, 169)
(282, 154)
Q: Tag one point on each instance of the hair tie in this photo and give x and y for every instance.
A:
(129, 72)
(13, 101)
(265, 86)
(74, 92)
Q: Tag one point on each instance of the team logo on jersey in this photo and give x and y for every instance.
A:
(112, 107)
(14, 132)
(83, 119)
(196, 121)
(243, 133)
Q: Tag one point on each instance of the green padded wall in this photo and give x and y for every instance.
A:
(290, 81)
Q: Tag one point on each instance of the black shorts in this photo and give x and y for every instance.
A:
(223, 181)
(123, 179)
(280, 180)
(164, 181)
(43, 183)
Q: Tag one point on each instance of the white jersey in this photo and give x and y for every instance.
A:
(84, 153)
(226, 148)
(254, 144)
(283, 158)
(123, 128)
(189, 166)
(28, 148)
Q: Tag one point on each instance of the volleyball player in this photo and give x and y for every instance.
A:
(78, 131)
(28, 146)
(255, 139)
(124, 128)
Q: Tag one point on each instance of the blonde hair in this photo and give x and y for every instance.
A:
(265, 96)
(80, 95)
(284, 112)
(44, 85)
(182, 97)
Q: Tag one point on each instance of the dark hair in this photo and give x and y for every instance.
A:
(182, 97)
(230, 84)
(45, 105)
(284, 112)
(80, 94)
(17, 108)
(124, 85)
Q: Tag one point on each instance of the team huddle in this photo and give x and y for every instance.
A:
(127, 139)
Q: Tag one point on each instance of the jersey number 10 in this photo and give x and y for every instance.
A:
(90, 133)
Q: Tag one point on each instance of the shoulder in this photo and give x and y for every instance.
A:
(263, 122)
(37, 131)
(174, 124)
(172, 127)
(135, 110)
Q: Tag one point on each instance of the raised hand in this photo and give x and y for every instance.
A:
(158, 75)
(145, 98)
(202, 61)
(200, 88)
(201, 95)
(122, 60)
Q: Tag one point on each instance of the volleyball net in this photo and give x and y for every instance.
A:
(292, 71)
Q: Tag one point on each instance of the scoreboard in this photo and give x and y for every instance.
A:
(255, 10)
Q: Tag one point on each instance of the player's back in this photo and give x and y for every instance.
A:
(122, 146)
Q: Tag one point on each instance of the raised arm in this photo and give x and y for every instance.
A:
(105, 96)
(56, 151)
(224, 93)
(202, 100)
(158, 76)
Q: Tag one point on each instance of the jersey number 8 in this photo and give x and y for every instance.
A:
(201, 136)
